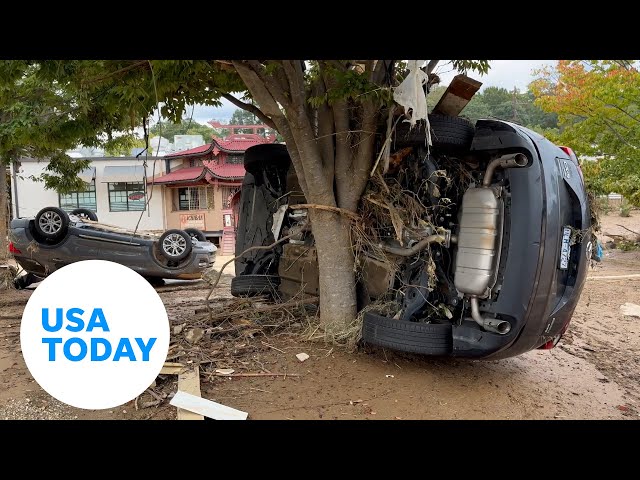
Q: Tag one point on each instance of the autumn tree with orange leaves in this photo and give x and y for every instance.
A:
(598, 107)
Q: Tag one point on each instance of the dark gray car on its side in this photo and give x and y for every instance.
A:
(53, 239)
(512, 249)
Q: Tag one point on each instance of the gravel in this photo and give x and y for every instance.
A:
(27, 409)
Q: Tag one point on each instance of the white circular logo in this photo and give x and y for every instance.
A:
(94, 334)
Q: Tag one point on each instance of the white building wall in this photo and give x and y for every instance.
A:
(32, 196)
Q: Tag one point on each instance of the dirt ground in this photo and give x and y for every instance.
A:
(594, 373)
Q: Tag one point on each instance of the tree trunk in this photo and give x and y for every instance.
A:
(4, 214)
(336, 269)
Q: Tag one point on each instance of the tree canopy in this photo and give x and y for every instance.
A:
(511, 105)
(598, 108)
(187, 126)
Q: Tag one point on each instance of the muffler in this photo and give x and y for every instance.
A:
(495, 325)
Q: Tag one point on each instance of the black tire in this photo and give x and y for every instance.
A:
(51, 223)
(25, 280)
(85, 213)
(259, 156)
(447, 133)
(175, 245)
(196, 234)
(155, 281)
(414, 337)
(251, 285)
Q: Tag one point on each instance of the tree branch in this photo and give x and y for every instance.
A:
(250, 108)
(275, 89)
(431, 66)
(270, 107)
(325, 127)
(362, 160)
(380, 71)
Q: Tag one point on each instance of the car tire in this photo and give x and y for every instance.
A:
(24, 281)
(447, 133)
(251, 285)
(175, 245)
(85, 213)
(414, 337)
(258, 157)
(196, 234)
(155, 281)
(51, 223)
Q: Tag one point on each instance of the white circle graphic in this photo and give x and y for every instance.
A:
(94, 334)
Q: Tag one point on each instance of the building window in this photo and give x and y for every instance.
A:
(82, 199)
(195, 198)
(126, 197)
(195, 162)
(235, 159)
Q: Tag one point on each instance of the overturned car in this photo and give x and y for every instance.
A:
(475, 247)
(54, 238)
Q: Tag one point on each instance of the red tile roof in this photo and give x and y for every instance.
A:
(201, 149)
(192, 174)
(227, 171)
(236, 143)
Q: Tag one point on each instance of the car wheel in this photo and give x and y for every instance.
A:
(155, 281)
(195, 234)
(447, 133)
(414, 337)
(51, 223)
(175, 244)
(251, 285)
(85, 214)
(24, 281)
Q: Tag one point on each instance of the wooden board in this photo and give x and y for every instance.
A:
(188, 382)
(457, 95)
(171, 368)
(201, 406)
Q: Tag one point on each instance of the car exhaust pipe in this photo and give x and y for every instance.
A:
(495, 325)
(421, 245)
(506, 161)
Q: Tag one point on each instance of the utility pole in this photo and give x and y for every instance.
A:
(514, 115)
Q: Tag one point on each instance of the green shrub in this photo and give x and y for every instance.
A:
(625, 209)
(603, 206)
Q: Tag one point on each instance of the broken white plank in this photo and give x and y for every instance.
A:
(189, 382)
(630, 309)
(614, 277)
(171, 368)
(201, 406)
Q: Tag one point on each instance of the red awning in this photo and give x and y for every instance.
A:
(184, 175)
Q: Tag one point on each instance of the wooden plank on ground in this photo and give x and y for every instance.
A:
(171, 368)
(189, 383)
(195, 403)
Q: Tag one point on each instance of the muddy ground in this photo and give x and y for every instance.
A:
(594, 373)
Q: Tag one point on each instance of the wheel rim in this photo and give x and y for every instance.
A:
(174, 245)
(50, 222)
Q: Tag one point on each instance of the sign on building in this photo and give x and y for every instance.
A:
(192, 220)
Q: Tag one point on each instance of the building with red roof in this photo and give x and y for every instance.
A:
(202, 185)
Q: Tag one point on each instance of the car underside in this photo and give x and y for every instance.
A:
(475, 246)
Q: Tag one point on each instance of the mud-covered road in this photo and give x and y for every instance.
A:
(594, 373)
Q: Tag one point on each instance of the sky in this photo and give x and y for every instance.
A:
(503, 73)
